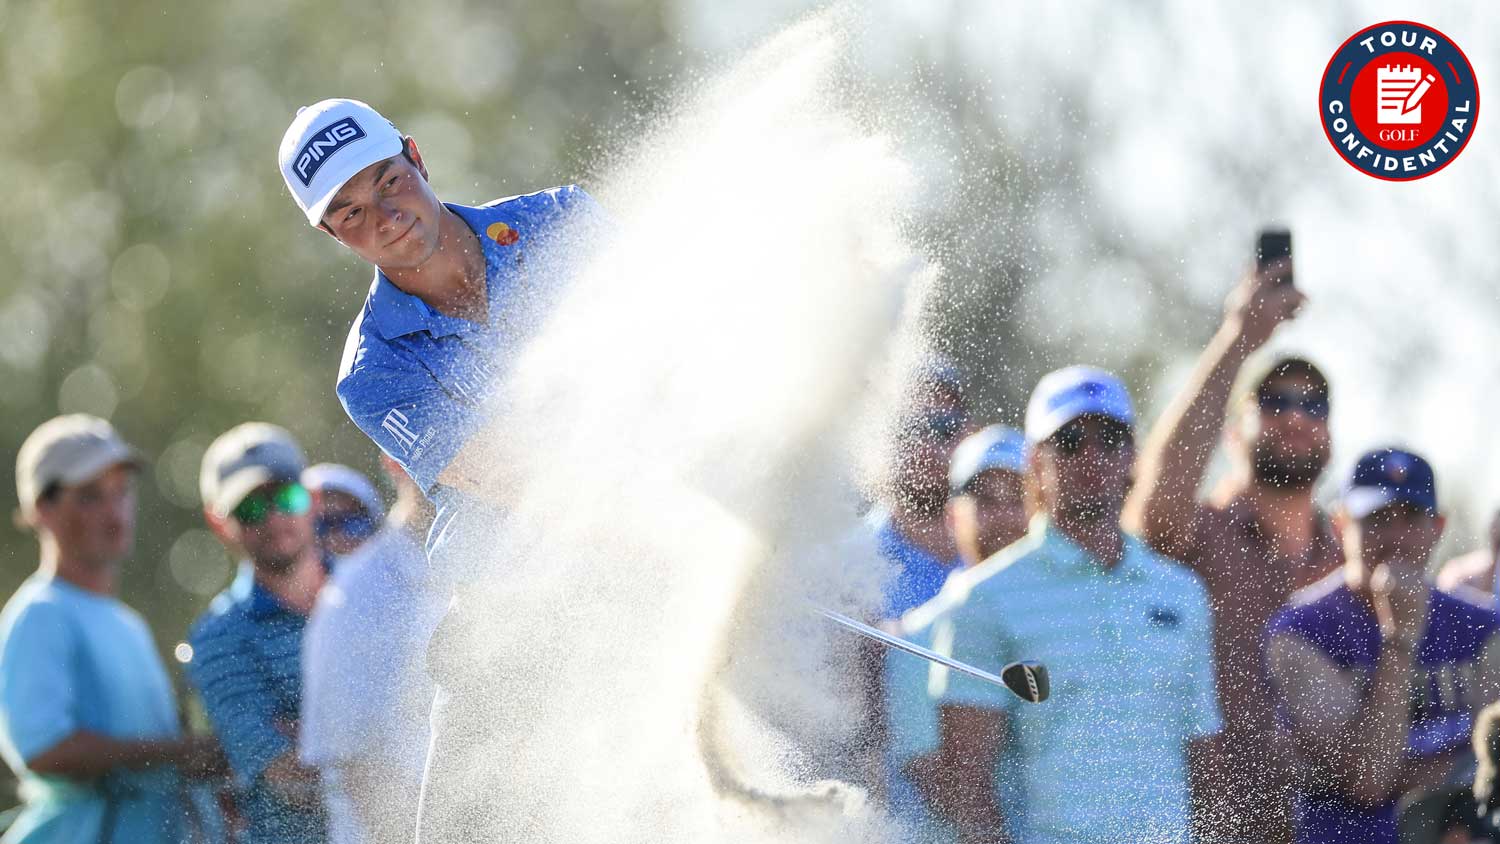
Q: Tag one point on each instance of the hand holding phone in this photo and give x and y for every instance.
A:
(1265, 298)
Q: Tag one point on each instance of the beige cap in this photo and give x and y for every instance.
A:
(67, 450)
(243, 458)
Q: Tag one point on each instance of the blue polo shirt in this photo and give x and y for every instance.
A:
(918, 574)
(247, 667)
(418, 382)
(1129, 649)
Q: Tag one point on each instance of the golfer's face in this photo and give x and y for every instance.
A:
(387, 214)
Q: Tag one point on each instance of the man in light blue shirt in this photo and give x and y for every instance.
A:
(1126, 634)
(455, 288)
(88, 722)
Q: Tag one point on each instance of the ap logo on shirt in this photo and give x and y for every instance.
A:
(398, 425)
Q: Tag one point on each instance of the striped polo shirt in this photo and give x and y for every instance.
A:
(247, 667)
(1129, 649)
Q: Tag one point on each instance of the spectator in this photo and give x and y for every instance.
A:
(247, 648)
(366, 693)
(1476, 569)
(910, 531)
(910, 527)
(346, 508)
(1253, 544)
(88, 722)
(987, 493)
(1128, 634)
(986, 513)
(1378, 674)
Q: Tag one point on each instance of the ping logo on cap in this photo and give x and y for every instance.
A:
(322, 145)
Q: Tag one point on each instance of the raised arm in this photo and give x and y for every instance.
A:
(1171, 464)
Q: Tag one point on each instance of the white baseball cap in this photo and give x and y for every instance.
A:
(245, 457)
(336, 477)
(994, 447)
(327, 143)
(67, 450)
(1064, 395)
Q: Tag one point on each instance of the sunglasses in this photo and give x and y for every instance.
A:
(290, 498)
(937, 426)
(1315, 406)
(1110, 436)
(352, 525)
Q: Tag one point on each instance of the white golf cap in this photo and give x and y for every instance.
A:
(327, 143)
(336, 477)
(244, 457)
(67, 450)
(1064, 395)
(993, 447)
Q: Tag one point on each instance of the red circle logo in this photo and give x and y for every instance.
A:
(1399, 100)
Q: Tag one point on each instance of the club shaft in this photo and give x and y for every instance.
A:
(901, 644)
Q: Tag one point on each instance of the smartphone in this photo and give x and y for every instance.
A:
(1271, 245)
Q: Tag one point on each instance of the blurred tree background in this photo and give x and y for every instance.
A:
(1096, 176)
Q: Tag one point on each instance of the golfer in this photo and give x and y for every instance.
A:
(420, 362)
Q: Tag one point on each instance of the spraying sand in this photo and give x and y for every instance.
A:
(691, 428)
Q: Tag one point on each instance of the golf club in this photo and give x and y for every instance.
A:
(1027, 680)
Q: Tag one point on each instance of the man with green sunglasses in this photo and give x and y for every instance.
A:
(247, 648)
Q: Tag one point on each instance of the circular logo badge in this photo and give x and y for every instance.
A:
(1399, 100)
(502, 234)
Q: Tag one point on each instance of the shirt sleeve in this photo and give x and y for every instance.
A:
(402, 407)
(38, 691)
(237, 695)
(1203, 716)
(973, 632)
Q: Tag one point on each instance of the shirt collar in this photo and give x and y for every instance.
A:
(262, 604)
(1064, 555)
(397, 313)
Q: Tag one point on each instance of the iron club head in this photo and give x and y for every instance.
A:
(1028, 680)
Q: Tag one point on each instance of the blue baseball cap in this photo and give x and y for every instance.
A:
(1064, 395)
(994, 447)
(1388, 476)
